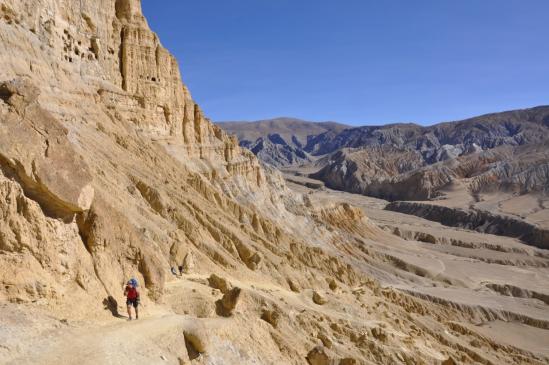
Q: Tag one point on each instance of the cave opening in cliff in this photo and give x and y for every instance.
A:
(123, 9)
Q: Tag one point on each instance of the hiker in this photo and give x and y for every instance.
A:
(173, 271)
(132, 297)
(180, 270)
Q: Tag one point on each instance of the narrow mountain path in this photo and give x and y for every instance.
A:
(146, 341)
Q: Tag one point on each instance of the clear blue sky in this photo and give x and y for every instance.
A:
(358, 61)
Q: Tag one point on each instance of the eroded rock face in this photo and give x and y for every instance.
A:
(227, 304)
(220, 283)
(36, 151)
(318, 356)
(99, 112)
(116, 245)
(403, 174)
(39, 252)
(477, 220)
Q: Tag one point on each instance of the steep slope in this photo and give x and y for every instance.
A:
(110, 170)
(105, 91)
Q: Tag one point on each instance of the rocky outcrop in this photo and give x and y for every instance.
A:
(377, 171)
(95, 125)
(318, 356)
(393, 174)
(40, 255)
(481, 221)
(220, 283)
(36, 151)
(227, 304)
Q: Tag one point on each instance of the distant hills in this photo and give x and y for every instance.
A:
(507, 150)
(280, 141)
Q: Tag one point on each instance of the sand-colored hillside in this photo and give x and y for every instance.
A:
(109, 170)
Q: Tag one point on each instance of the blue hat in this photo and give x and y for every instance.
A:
(133, 282)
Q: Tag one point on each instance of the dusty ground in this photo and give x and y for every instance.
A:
(462, 268)
(480, 291)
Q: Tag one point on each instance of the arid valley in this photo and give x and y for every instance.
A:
(271, 242)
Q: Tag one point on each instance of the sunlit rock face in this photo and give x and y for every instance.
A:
(109, 170)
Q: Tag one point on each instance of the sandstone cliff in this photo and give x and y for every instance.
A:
(109, 170)
(90, 98)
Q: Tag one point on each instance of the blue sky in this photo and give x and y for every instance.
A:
(358, 61)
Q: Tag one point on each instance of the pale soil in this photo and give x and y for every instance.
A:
(452, 273)
(33, 336)
(457, 267)
(532, 339)
(532, 208)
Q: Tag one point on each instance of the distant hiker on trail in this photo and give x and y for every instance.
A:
(132, 297)
(180, 270)
(173, 271)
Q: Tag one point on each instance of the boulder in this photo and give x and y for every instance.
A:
(319, 298)
(293, 286)
(188, 263)
(220, 283)
(226, 305)
(449, 361)
(325, 340)
(271, 317)
(318, 356)
(196, 339)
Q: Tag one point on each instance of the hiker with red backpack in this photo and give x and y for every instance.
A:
(132, 297)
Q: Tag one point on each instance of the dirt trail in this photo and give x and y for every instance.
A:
(145, 341)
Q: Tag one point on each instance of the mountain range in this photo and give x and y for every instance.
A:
(409, 161)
